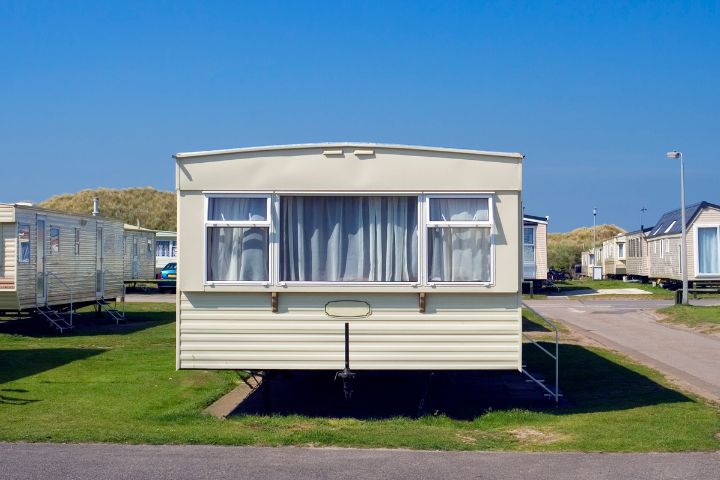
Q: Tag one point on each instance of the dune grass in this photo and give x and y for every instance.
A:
(110, 384)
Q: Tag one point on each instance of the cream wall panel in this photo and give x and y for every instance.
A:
(387, 169)
(541, 265)
(239, 331)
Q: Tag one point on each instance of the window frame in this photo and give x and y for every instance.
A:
(489, 223)
(50, 229)
(267, 223)
(29, 242)
(623, 255)
(77, 236)
(273, 220)
(534, 244)
(696, 242)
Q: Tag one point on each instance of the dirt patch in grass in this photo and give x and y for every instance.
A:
(535, 437)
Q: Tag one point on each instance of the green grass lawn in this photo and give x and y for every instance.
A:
(110, 384)
(702, 318)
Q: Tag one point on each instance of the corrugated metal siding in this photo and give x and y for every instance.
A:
(7, 213)
(26, 274)
(458, 331)
(77, 271)
(709, 216)
(8, 241)
(145, 258)
(639, 265)
(541, 251)
(667, 264)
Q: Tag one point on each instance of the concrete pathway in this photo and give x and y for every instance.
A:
(629, 326)
(111, 462)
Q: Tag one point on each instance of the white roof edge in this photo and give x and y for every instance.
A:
(299, 146)
(534, 220)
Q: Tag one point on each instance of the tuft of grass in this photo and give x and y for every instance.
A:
(119, 384)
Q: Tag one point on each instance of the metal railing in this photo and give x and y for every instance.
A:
(68, 287)
(121, 279)
(556, 356)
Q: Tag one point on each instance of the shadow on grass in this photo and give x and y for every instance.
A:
(21, 363)
(88, 324)
(588, 381)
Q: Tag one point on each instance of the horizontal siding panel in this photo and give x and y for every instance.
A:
(338, 365)
(192, 338)
(458, 331)
(338, 346)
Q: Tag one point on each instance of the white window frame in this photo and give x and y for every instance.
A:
(534, 244)
(423, 212)
(489, 223)
(267, 223)
(696, 227)
(624, 253)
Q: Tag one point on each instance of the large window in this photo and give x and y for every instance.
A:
(708, 248)
(529, 270)
(459, 240)
(23, 243)
(349, 239)
(238, 232)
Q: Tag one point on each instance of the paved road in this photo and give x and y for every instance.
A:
(111, 462)
(690, 358)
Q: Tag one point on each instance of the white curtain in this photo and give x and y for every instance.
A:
(348, 239)
(708, 250)
(459, 254)
(237, 254)
(227, 209)
(459, 209)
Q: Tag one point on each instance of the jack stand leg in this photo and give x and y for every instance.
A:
(346, 375)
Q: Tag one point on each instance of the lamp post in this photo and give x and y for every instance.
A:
(675, 155)
(594, 248)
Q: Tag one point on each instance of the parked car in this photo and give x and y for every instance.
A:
(167, 277)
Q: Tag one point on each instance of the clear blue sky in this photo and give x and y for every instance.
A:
(101, 94)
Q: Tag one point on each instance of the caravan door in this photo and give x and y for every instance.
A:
(41, 281)
(99, 273)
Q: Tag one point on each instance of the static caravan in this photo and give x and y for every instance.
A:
(165, 249)
(535, 267)
(51, 260)
(349, 256)
(638, 260)
(703, 245)
(589, 267)
(138, 254)
(615, 256)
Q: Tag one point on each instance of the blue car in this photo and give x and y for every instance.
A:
(167, 277)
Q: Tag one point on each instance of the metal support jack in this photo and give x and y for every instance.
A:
(554, 394)
(346, 375)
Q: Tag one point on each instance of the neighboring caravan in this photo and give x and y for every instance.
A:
(409, 257)
(138, 254)
(51, 260)
(535, 267)
(703, 245)
(614, 256)
(588, 266)
(165, 249)
(638, 260)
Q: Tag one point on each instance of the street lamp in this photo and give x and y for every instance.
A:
(675, 155)
(594, 249)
